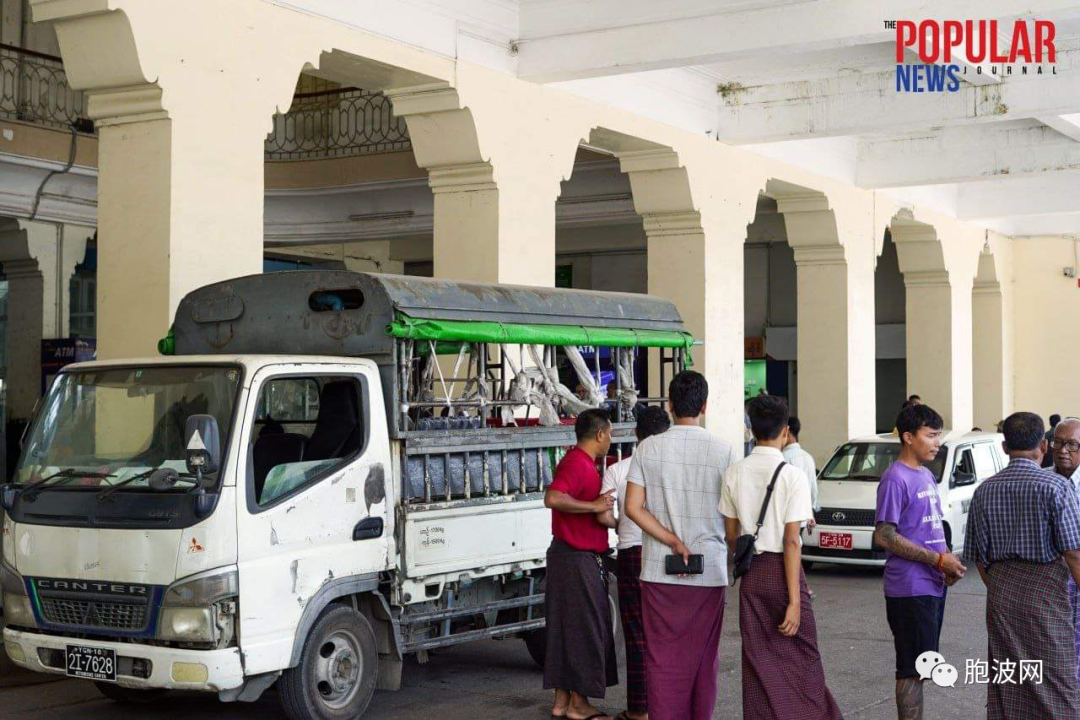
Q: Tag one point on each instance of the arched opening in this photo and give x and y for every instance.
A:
(770, 307)
(890, 319)
(600, 244)
(343, 188)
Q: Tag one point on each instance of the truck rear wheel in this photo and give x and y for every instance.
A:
(129, 696)
(338, 667)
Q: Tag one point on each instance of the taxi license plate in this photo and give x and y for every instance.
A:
(92, 663)
(834, 541)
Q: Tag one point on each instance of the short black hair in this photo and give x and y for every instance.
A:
(768, 417)
(913, 417)
(1054, 419)
(688, 391)
(913, 398)
(1023, 431)
(590, 422)
(794, 425)
(651, 421)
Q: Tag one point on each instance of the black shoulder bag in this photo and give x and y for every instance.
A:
(744, 544)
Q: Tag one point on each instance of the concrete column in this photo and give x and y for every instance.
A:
(992, 384)
(698, 265)
(835, 298)
(180, 188)
(938, 325)
(495, 172)
(39, 259)
(179, 206)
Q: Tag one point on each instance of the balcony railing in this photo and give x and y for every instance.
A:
(34, 88)
(336, 123)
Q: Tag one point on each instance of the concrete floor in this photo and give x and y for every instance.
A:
(497, 678)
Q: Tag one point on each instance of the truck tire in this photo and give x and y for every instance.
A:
(129, 696)
(536, 644)
(338, 667)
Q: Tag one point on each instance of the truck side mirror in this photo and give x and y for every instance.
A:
(960, 479)
(203, 443)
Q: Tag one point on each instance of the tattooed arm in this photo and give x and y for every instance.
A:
(886, 536)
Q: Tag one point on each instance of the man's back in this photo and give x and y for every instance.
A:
(1023, 513)
(682, 470)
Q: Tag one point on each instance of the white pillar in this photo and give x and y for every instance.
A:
(696, 261)
(495, 172)
(939, 337)
(835, 296)
(992, 384)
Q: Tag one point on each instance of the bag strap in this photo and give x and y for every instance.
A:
(768, 496)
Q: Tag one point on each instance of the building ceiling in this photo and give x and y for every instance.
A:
(813, 83)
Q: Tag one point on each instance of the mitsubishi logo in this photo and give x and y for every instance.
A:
(839, 516)
(91, 615)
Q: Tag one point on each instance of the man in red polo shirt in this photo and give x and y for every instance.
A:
(580, 658)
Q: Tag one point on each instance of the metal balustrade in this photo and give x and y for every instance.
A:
(339, 122)
(336, 122)
(34, 88)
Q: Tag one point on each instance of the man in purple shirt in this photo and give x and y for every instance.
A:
(919, 563)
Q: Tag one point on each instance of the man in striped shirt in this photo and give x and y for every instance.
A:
(1022, 522)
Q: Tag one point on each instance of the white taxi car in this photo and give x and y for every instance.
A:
(847, 492)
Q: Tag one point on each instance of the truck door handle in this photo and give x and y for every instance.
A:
(368, 528)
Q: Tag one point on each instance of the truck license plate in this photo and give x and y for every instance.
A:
(835, 541)
(92, 663)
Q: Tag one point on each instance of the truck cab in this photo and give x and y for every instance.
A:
(298, 493)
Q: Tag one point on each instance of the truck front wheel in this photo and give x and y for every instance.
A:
(337, 671)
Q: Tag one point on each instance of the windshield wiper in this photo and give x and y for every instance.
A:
(31, 491)
(106, 492)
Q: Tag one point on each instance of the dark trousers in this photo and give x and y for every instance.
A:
(633, 625)
(916, 626)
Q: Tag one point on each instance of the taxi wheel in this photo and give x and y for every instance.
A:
(129, 696)
(807, 564)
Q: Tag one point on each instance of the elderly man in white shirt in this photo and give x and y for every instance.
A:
(1066, 447)
(795, 455)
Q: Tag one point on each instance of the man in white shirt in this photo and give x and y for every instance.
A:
(795, 455)
(650, 421)
(774, 587)
(672, 490)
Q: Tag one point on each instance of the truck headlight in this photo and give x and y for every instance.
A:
(190, 609)
(187, 624)
(17, 608)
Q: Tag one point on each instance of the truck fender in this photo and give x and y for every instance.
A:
(328, 593)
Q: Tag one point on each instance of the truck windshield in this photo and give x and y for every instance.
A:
(103, 427)
(867, 462)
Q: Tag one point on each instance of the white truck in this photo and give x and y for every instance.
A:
(324, 472)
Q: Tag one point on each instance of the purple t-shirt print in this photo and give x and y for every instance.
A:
(908, 498)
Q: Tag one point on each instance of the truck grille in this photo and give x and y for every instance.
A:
(104, 615)
(844, 517)
(99, 607)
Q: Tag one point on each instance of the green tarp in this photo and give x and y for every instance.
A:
(457, 331)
